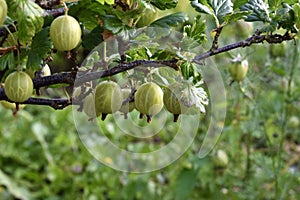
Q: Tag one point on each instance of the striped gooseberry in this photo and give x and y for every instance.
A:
(3, 11)
(65, 33)
(172, 100)
(18, 86)
(148, 99)
(108, 98)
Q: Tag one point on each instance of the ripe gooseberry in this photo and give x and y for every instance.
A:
(3, 11)
(238, 70)
(65, 33)
(108, 98)
(89, 106)
(221, 159)
(172, 101)
(18, 86)
(149, 99)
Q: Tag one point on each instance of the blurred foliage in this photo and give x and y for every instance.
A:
(42, 157)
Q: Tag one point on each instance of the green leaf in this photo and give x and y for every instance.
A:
(40, 46)
(16, 190)
(113, 24)
(279, 71)
(296, 9)
(162, 54)
(217, 8)
(285, 18)
(185, 184)
(7, 60)
(269, 28)
(40, 131)
(92, 39)
(29, 17)
(164, 4)
(274, 3)
(90, 60)
(290, 2)
(235, 16)
(165, 75)
(222, 7)
(239, 3)
(194, 35)
(86, 11)
(110, 2)
(259, 11)
(202, 6)
(187, 70)
(169, 21)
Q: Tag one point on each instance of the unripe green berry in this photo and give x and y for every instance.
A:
(3, 11)
(65, 33)
(108, 98)
(238, 70)
(172, 101)
(221, 158)
(18, 86)
(149, 99)
(89, 106)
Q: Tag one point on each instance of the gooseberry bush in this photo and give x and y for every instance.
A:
(76, 27)
(50, 57)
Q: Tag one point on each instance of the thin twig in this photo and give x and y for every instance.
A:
(70, 77)
(254, 39)
(125, 67)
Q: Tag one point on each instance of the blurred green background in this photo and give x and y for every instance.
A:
(257, 156)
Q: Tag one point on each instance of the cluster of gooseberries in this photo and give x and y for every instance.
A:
(108, 97)
(65, 33)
